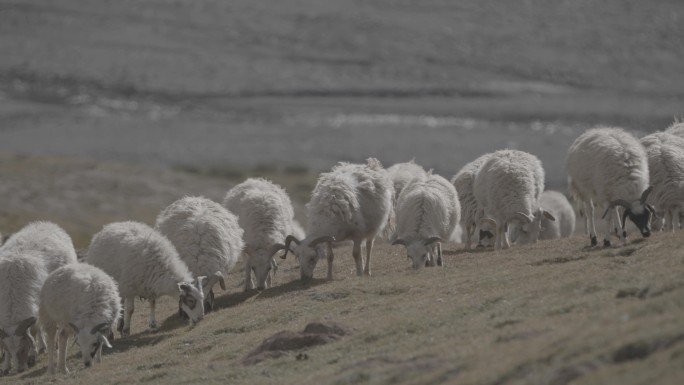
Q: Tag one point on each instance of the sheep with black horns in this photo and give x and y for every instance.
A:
(83, 300)
(352, 202)
(608, 166)
(427, 212)
(207, 237)
(401, 174)
(144, 263)
(665, 153)
(508, 186)
(265, 213)
(471, 212)
(27, 257)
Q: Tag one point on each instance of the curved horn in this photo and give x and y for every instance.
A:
(325, 238)
(399, 242)
(644, 195)
(548, 215)
(617, 202)
(289, 239)
(100, 327)
(523, 217)
(275, 248)
(24, 325)
(432, 240)
(652, 210)
(488, 221)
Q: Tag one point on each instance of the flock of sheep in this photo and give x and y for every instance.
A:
(48, 296)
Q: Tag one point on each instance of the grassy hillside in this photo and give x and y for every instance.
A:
(550, 313)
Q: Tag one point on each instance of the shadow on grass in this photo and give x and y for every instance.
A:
(474, 250)
(137, 340)
(295, 285)
(33, 374)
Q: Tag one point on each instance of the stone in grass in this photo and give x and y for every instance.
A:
(279, 344)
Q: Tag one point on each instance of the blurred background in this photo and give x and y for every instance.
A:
(111, 110)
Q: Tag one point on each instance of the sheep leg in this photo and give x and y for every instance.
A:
(609, 226)
(61, 354)
(503, 235)
(440, 262)
(358, 259)
(98, 355)
(469, 230)
(331, 256)
(249, 285)
(6, 362)
(620, 227)
(369, 249)
(40, 338)
(51, 332)
(589, 212)
(129, 307)
(675, 219)
(153, 318)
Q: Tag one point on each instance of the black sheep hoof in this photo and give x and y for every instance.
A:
(594, 241)
(606, 243)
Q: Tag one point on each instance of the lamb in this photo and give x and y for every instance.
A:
(207, 238)
(609, 166)
(265, 213)
(471, 212)
(83, 300)
(428, 211)
(402, 174)
(46, 247)
(508, 186)
(665, 154)
(564, 226)
(144, 263)
(352, 202)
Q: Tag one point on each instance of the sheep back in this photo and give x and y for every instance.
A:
(401, 174)
(137, 257)
(427, 207)
(665, 154)
(605, 164)
(206, 236)
(53, 243)
(21, 278)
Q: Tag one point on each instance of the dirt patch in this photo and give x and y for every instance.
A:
(314, 334)
(557, 260)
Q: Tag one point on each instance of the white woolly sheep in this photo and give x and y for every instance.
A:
(677, 129)
(48, 247)
(265, 213)
(471, 212)
(609, 167)
(145, 264)
(21, 277)
(427, 212)
(665, 153)
(207, 237)
(508, 186)
(557, 205)
(83, 300)
(401, 174)
(352, 202)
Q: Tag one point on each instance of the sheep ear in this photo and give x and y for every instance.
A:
(548, 215)
(644, 195)
(523, 217)
(24, 325)
(104, 341)
(216, 277)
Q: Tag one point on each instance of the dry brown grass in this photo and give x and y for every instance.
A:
(551, 313)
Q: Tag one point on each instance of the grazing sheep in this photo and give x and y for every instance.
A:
(471, 212)
(21, 277)
(207, 238)
(609, 167)
(352, 202)
(677, 129)
(82, 299)
(665, 153)
(507, 187)
(428, 211)
(48, 247)
(557, 205)
(401, 174)
(145, 264)
(265, 213)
